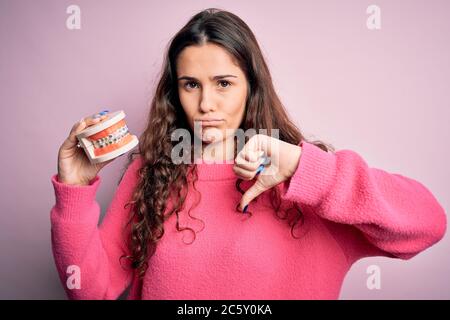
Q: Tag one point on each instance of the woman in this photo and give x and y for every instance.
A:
(291, 231)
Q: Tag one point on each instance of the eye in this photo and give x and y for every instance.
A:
(226, 82)
(187, 84)
(223, 84)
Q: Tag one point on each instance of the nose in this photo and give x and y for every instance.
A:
(207, 103)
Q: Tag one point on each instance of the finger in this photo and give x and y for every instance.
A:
(101, 113)
(252, 155)
(248, 155)
(72, 140)
(249, 165)
(260, 169)
(244, 174)
(263, 144)
(249, 174)
(255, 144)
(254, 191)
(94, 120)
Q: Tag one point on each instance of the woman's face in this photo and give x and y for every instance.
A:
(211, 87)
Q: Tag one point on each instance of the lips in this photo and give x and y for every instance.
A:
(211, 122)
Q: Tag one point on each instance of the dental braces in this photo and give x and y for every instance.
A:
(112, 138)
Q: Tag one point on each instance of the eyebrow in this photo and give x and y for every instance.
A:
(214, 78)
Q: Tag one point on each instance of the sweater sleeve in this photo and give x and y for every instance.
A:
(85, 250)
(370, 212)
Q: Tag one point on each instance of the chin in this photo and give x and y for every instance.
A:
(216, 135)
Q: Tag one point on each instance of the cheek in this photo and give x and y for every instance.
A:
(187, 105)
(235, 110)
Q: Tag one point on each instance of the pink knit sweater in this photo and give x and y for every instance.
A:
(350, 211)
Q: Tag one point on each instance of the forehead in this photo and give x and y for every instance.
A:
(205, 59)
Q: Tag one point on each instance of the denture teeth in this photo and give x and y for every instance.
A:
(112, 138)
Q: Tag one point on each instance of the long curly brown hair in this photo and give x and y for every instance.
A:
(159, 178)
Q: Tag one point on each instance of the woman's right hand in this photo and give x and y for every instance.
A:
(74, 167)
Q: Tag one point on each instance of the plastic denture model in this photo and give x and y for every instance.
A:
(107, 139)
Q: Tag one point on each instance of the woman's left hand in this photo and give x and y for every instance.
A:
(284, 159)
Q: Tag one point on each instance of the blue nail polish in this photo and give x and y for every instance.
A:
(245, 208)
(260, 169)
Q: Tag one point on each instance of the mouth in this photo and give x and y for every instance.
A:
(211, 123)
(111, 138)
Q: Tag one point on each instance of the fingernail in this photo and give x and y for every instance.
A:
(245, 208)
(104, 112)
(260, 169)
(265, 160)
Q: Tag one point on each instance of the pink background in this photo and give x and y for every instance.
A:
(382, 93)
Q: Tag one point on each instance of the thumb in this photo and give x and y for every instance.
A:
(254, 191)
